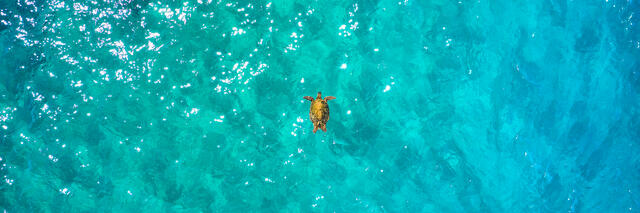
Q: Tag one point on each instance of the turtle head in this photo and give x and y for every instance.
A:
(319, 95)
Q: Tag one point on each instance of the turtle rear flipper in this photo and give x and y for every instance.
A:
(324, 128)
(315, 128)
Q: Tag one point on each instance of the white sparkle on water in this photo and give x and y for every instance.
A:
(387, 88)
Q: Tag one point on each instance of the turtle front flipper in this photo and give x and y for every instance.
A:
(308, 98)
(329, 98)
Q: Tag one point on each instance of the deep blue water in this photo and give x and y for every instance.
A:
(442, 106)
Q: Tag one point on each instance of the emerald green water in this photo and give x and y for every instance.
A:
(442, 106)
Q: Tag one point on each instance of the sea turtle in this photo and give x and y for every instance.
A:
(319, 112)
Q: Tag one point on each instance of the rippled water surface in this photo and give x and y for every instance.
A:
(442, 106)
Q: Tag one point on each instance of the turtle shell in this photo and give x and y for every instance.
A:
(319, 114)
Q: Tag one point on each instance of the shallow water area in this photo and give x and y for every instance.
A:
(197, 106)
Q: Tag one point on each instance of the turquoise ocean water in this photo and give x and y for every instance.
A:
(442, 106)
